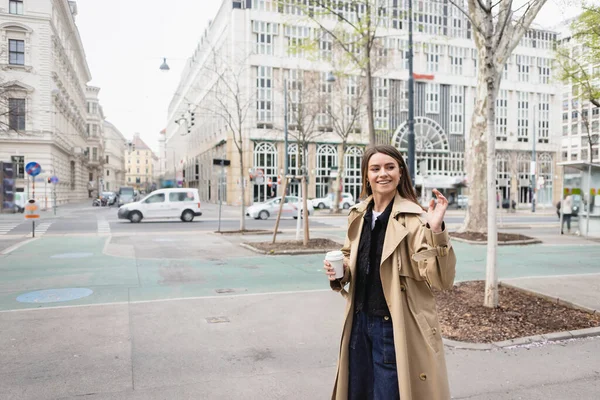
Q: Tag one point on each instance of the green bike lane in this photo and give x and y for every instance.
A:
(81, 262)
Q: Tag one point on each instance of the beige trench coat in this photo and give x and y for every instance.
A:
(413, 260)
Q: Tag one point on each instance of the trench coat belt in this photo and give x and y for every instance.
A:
(440, 251)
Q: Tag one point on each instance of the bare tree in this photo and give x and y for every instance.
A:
(497, 30)
(231, 102)
(307, 116)
(345, 113)
(353, 27)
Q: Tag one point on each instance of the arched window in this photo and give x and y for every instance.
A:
(544, 179)
(352, 177)
(502, 175)
(326, 158)
(431, 145)
(524, 177)
(265, 159)
(295, 159)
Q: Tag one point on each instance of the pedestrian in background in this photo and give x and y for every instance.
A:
(567, 210)
(391, 344)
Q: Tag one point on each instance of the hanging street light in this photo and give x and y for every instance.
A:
(164, 67)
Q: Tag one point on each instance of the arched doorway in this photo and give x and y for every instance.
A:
(352, 178)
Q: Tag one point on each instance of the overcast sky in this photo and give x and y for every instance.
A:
(125, 41)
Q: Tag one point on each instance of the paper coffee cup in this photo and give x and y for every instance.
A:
(336, 259)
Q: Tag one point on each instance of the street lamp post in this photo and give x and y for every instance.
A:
(411, 97)
(285, 129)
(533, 163)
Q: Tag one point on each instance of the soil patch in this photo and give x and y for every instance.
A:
(482, 237)
(313, 244)
(464, 318)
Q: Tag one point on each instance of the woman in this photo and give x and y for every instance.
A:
(391, 345)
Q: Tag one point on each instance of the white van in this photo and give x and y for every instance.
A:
(164, 203)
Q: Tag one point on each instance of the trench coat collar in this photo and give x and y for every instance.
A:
(401, 205)
(396, 231)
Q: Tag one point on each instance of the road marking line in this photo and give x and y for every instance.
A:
(6, 227)
(121, 303)
(103, 227)
(41, 229)
(16, 246)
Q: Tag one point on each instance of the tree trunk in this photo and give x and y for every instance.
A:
(491, 279)
(243, 216)
(476, 158)
(370, 116)
(305, 210)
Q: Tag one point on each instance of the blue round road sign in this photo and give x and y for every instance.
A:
(54, 179)
(33, 168)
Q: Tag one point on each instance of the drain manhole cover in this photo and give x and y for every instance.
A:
(217, 320)
(54, 295)
(72, 255)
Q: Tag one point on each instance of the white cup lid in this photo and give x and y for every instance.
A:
(334, 255)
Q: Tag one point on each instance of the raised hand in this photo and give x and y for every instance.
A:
(436, 212)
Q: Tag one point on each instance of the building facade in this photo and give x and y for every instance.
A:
(44, 99)
(95, 142)
(140, 160)
(265, 46)
(580, 118)
(114, 158)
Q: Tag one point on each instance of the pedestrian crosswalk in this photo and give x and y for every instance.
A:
(6, 227)
(103, 227)
(41, 228)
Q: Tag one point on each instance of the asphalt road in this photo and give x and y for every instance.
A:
(103, 220)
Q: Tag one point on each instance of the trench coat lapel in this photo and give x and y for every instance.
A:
(396, 231)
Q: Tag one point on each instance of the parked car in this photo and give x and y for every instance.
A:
(126, 195)
(462, 201)
(164, 203)
(110, 197)
(19, 202)
(346, 201)
(271, 208)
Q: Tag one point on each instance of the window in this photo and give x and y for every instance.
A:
(523, 117)
(456, 110)
(107, 172)
(265, 159)
(16, 7)
(381, 95)
(457, 54)
(95, 154)
(543, 118)
(157, 198)
(16, 111)
(325, 46)
(432, 98)
(16, 51)
(146, 170)
(18, 163)
(107, 159)
(264, 34)
(544, 70)
(297, 37)
(129, 179)
(87, 152)
(523, 63)
(326, 158)
(432, 52)
(501, 115)
(264, 86)
(181, 196)
(138, 170)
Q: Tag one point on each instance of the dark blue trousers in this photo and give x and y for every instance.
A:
(373, 374)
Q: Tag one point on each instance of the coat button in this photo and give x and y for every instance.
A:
(402, 288)
(434, 331)
(423, 377)
(386, 318)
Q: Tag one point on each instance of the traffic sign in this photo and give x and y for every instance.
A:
(54, 179)
(33, 168)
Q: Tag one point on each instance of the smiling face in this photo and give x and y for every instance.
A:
(383, 174)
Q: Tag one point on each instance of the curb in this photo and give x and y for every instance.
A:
(536, 339)
(511, 243)
(250, 233)
(284, 252)
(552, 299)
